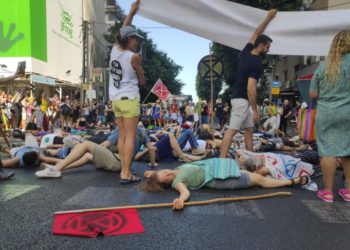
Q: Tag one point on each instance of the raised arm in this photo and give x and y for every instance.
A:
(134, 8)
(185, 194)
(261, 28)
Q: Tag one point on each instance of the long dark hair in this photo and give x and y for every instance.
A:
(38, 97)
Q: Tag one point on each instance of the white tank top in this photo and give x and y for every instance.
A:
(123, 81)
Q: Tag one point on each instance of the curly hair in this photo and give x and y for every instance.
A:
(339, 47)
(152, 184)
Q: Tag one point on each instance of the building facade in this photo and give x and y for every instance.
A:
(290, 68)
(47, 35)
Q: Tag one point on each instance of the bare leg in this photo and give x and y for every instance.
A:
(329, 166)
(226, 142)
(10, 163)
(121, 142)
(85, 159)
(130, 129)
(49, 160)
(248, 139)
(175, 147)
(286, 148)
(346, 166)
(77, 153)
(264, 182)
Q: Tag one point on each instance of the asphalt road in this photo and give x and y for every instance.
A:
(27, 205)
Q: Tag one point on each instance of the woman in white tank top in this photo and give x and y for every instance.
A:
(126, 74)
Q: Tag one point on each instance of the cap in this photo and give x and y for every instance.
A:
(128, 31)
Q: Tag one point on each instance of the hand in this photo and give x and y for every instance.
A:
(256, 117)
(178, 204)
(135, 7)
(272, 14)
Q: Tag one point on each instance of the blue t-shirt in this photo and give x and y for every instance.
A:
(249, 66)
(22, 151)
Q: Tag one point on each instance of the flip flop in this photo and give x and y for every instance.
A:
(322, 194)
(134, 179)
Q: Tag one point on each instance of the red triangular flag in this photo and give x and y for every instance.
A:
(91, 224)
(161, 90)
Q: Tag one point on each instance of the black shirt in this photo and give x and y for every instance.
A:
(286, 110)
(219, 110)
(249, 66)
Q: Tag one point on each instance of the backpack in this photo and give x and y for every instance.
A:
(66, 110)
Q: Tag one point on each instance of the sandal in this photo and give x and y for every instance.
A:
(303, 181)
(325, 196)
(133, 179)
(344, 193)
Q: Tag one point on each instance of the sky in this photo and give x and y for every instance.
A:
(184, 48)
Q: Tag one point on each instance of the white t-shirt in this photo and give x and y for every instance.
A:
(123, 81)
(201, 146)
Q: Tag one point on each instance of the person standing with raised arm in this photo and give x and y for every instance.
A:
(126, 75)
(250, 68)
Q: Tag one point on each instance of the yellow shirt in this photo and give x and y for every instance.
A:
(44, 105)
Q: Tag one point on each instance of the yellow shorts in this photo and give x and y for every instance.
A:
(126, 108)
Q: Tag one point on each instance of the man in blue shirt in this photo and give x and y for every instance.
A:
(243, 99)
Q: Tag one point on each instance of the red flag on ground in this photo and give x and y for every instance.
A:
(161, 90)
(91, 224)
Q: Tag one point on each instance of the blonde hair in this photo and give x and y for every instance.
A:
(339, 47)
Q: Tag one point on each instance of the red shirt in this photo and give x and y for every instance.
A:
(173, 108)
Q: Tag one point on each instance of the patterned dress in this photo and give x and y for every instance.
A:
(332, 124)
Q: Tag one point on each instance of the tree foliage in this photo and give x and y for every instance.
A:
(229, 56)
(156, 64)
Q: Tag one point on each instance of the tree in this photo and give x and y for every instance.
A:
(229, 56)
(203, 88)
(156, 64)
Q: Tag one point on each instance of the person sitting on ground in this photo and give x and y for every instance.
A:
(213, 173)
(87, 151)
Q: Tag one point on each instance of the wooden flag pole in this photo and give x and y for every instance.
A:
(211, 90)
(147, 96)
(191, 203)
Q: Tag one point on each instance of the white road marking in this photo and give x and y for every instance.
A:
(337, 212)
(9, 192)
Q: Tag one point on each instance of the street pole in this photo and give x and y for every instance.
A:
(211, 89)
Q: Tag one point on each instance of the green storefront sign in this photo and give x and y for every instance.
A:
(23, 29)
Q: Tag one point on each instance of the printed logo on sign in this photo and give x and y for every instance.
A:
(117, 73)
(66, 23)
(8, 39)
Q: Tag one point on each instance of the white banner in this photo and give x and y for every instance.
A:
(232, 24)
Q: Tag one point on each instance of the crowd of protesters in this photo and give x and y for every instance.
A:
(247, 146)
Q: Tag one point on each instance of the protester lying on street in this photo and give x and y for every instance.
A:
(86, 152)
(27, 156)
(276, 166)
(213, 173)
(280, 144)
(169, 149)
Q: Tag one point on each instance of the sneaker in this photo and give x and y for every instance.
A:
(6, 175)
(49, 172)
